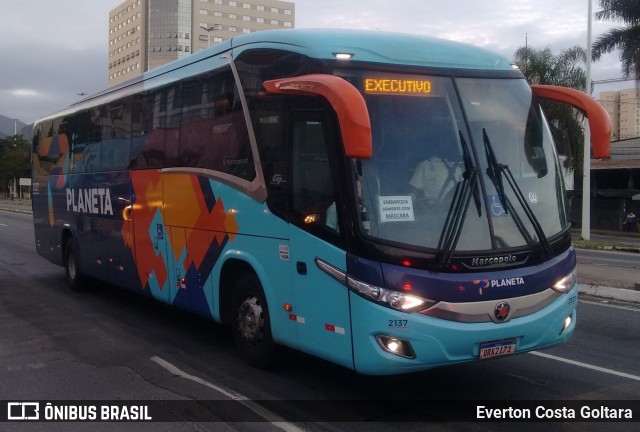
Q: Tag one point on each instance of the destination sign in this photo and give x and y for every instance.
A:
(398, 86)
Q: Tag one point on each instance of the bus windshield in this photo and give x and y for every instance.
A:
(475, 149)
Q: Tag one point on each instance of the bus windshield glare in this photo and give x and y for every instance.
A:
(429, 138)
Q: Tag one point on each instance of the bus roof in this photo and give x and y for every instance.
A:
(323, 44)
(366, 46)
(380, 47)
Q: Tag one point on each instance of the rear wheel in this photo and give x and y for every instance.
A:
(251, 323)
(75, 279)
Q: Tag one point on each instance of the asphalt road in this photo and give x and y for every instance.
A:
(109, 344)
(612, 269)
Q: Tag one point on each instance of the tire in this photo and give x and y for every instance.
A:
(75, 279)
(251, 323)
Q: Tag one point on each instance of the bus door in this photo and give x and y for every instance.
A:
(321, 309)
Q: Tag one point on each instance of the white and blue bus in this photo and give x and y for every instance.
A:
(387, 202)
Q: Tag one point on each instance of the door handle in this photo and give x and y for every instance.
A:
(301, 268)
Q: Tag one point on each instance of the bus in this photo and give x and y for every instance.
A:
(386, 202)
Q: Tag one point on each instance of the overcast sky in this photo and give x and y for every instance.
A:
(52, 50)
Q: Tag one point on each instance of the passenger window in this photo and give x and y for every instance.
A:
(139, 131)
(116, 136)
(91, 160)
(78, 140)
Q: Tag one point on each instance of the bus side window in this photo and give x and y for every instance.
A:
(313, 192)
(78, 140)
(44, 146)
(150, 134)
(139, 130)
(94, 140)
(116, 136)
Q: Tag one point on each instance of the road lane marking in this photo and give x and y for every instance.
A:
(1, 224)
(248, 403)
(587, 366)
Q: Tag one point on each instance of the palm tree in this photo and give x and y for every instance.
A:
(565, 69)
(543, 67)
(626, 39)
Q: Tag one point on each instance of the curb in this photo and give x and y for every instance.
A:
(25, 211)
(621, 294)
(610, 248)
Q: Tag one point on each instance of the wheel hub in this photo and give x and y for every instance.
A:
(250, 320)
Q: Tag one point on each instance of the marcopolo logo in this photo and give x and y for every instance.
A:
(497, 260)
(501, 311)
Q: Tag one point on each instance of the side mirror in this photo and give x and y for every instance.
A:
(599, 121)
(346, 100)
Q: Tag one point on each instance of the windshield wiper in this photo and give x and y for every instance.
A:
(495, 171)
(471, 171)
(459, 205)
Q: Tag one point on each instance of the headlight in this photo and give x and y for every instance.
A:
(393, 299)
(565, 284)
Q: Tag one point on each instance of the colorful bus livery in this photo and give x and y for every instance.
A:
(387, 202)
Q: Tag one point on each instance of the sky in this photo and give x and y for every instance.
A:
(52, 50)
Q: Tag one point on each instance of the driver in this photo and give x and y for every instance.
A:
(433, 178)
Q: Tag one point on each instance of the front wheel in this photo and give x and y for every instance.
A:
(251, 324)
(75, 279)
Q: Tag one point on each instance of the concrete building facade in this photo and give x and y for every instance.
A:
(624, 109)
(629, 113)
(144, 34)
(610, 100)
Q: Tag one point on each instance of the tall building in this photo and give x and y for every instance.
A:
(624, 109)
(610, 100)
(144, 34)
(629, 113)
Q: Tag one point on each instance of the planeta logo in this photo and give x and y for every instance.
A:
(94, 201)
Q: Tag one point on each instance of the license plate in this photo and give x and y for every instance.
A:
(497, 348)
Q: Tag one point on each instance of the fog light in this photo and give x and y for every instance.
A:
(567, 324)
(396, 346)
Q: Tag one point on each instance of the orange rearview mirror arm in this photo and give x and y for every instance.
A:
(599, 121)
(346, 100)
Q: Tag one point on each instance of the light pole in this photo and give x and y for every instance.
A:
(586, 166)
(209, 29)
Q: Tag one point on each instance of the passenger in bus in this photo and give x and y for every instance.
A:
(435, 177)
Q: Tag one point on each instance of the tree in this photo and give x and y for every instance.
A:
(15, 159)
(565, 69)
(626, 39)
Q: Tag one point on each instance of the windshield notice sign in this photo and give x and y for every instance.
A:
(396, 208)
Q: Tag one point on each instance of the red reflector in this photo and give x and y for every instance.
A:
(406, 263)
(407, 287)
(330, 327)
